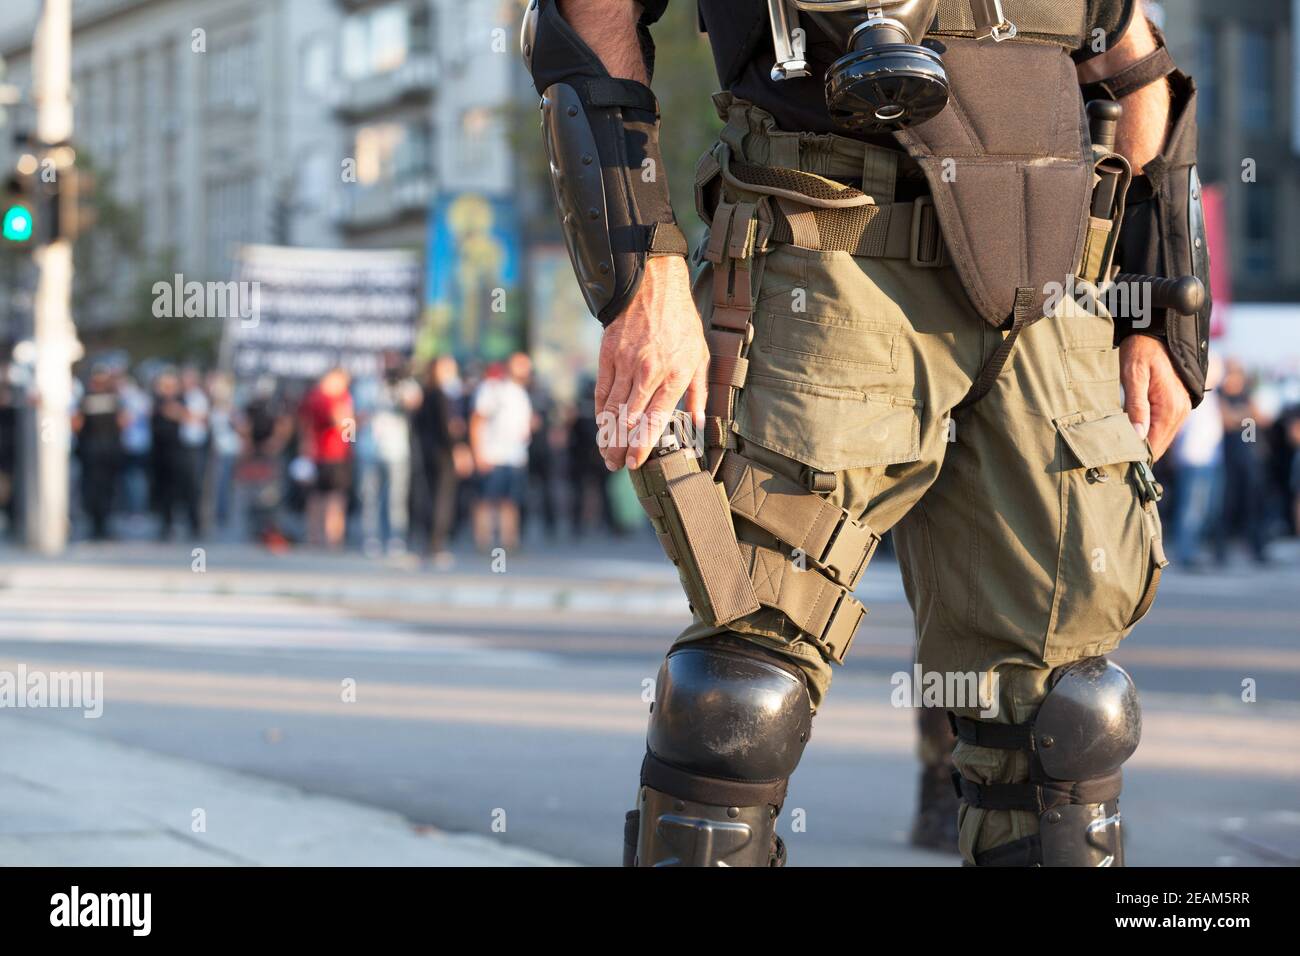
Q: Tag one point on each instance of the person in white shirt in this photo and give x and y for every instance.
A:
(500, 429)
(1198, 454)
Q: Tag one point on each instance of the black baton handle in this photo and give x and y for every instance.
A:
(1185, 295)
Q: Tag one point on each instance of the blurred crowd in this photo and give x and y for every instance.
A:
(402, 462)
(412, 459)
(1232, 478)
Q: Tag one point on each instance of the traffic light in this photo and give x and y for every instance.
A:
(19, 220)
(47, 199)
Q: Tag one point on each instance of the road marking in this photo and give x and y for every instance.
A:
(1259, 746)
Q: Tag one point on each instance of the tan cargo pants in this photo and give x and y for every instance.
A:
(1023, 538)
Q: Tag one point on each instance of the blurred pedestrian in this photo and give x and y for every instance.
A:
(438, 437)
(543, 462)
(226, 445)
(267, 432)
(11, 397)
(172, 483)
(135, 446)
(1244, 486)
(384, 405)
(327, 429)
(195, 435)
(500, 430)
(1198, 459)
(98, 423)
(589, 500)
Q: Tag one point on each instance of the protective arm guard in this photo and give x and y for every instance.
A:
(1163, 230)
(602, 139)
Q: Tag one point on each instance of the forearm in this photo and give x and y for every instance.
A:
(609, 28)
(1143, 126)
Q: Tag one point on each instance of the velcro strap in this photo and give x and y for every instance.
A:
(983, 733)
(1156, 65)
(823, 531)
(813, 603)
(604, 92)
(1027, 851)
(729, 370)
(712, 541)
(715, 791)
(667, 239)
(1037, 797)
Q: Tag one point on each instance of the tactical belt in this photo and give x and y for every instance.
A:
(810, 211)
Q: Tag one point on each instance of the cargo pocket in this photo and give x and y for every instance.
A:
(1111, 552)
(829, 429)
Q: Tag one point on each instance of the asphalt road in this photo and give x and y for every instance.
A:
(471, 706)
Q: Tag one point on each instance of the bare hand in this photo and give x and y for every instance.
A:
(650, 356)
(1155, 398)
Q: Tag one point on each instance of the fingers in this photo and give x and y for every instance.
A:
(646, 383)
(696, 394)
(656, 418)
(1136, 379)
(1170, 406)
(609, 435)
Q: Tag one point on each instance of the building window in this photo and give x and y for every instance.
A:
(382, 39)
(387, 152)
(317, 66)
(232, 219)
(232, 75)
(1256, 81)
(1259, 229)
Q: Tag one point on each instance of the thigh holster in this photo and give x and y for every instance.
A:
(1086, 727)
(696, 496)
(727, 728)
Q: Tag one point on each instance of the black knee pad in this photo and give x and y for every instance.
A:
(727, 728)
(1087, 726)
(729, 713)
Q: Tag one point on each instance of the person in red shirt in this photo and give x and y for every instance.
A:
(328, 429)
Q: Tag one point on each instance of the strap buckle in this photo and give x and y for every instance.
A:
(837, 636)
(923, 209)
(1149, 488)
(848, 552)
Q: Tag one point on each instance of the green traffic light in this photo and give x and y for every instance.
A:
(18, 223)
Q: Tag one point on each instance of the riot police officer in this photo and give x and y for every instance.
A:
(909, 317)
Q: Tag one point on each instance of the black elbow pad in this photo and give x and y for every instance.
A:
(1163, 234)
(601, 136)
(1163, 230)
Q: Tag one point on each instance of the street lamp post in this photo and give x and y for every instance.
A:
(53, 334)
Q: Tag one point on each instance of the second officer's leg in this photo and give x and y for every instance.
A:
(1029, 559)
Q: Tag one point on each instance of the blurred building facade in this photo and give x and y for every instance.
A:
(1245, 59)
(209, 118)
(421, 103)
(301, 122)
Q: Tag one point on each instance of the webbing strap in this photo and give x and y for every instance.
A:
(1158, 561)
(823, 531)
(988, 375)
(667, 239)
(982, 733)
(1156, 65)
(902, 230)
(813, 603)
(1027, 851)
(1040, 796)
(733, 237)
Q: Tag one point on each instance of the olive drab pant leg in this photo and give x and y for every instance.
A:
(1036, 546)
